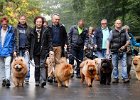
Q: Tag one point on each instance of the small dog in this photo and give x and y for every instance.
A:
(19, 71)
(63, 72)
(50, 63)
(105, 71)
(88, 71)
(136, 64)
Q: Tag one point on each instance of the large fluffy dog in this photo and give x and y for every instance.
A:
(105, 71)
(88, 71)
(19, 71)
(63, 72)
(136, 64)
(50, 62)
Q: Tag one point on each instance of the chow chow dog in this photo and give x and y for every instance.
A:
(50, 63)
(63, 72)
(88, 71)
(136, 64)
(19, 71)
(105, 71)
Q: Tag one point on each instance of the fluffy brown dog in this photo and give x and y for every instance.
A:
(63, 72)
(136, 64)
(19, 71)
(88, 71)
(50, 62)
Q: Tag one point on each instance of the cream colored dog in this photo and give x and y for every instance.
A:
(50, 62)
(136, 64)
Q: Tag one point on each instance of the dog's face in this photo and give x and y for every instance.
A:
(136, 62)
(91, 67)
(18, 64)
(106, 65)
(51, 54)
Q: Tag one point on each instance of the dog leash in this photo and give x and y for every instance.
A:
(75, 58)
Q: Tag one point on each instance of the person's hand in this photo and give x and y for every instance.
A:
(107, 52)
(122, 48)
(26, 52)
(85, 47)
(95, 46)
(14, 54)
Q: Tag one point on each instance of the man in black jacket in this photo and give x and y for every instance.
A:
(117, 43)
(59, 38)
(77, 37)
(41, 43)
(21, 46)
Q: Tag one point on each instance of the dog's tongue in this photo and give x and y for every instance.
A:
(18, 69)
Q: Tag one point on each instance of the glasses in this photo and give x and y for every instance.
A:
(103, 23)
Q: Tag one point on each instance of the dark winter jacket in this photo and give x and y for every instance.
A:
(22, 39)
(45, 44)
(75, 40)
(62, 35)
(98, 38)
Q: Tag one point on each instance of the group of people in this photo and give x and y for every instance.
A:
(36, 43)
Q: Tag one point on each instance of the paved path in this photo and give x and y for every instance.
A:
(76, 91)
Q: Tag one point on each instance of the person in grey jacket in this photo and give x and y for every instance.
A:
(77, 37)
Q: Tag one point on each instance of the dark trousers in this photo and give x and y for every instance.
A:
(129, 63)
(76, 54)
(40, 69)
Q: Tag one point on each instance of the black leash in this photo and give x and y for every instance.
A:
(75, 58)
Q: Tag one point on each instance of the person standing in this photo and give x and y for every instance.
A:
(59, 39)
(130, 49)
(77, 37)
(89, 46)
(100, 38)
(117, 43)
(6, 51)
(21, 47)
(40, 45)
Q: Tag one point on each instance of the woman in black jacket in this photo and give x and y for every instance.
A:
(40, 45)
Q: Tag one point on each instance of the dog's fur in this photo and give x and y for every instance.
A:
(105, 71)
(50, 63)
(19, 71)
(63, 72)
(136, 64)
(88, 71)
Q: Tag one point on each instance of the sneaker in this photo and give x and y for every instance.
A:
(78, 76)
(8, 83)
(43, 84)
(37, 84)
(126, 80)
(4, 83)
(26, 81)
(115, 81)
(50, 79)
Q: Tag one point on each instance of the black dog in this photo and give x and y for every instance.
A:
(105, 71)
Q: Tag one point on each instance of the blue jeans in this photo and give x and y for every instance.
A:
(5, 67)
(27, 59)
(101, 53)
(115, 61)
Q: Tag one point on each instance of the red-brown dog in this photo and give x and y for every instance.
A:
(88, 71)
